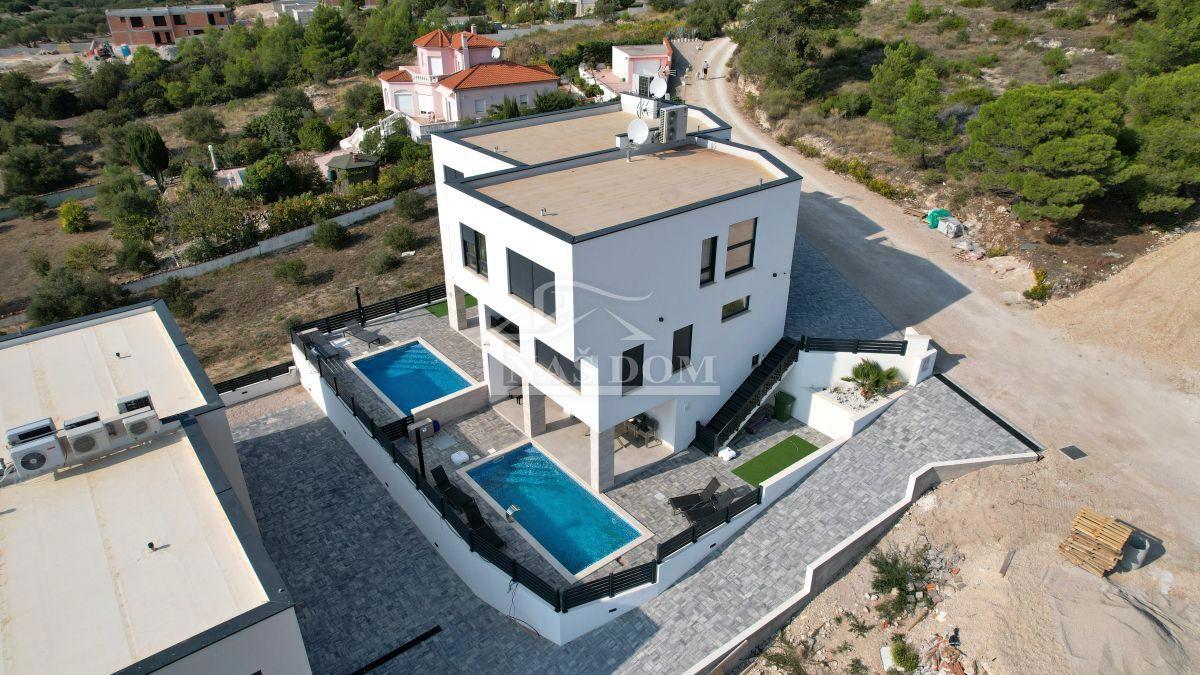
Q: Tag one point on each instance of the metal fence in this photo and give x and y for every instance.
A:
(814, 344)
(235, 383)
(376, 310)
(705, 525)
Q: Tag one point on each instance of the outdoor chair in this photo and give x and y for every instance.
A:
(450, 491)
(367, 337)
(717, 505)
(694, 499)
(321, 346)
(479, 526)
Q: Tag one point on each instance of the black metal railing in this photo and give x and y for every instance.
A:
(730, 418)
(235, 383)
(611, 585)
(426, 296)
(814, 344)
(705, 525)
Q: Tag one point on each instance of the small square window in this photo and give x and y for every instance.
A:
(480, 106)
(732, 309)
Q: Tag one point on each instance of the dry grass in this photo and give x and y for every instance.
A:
(242, 311)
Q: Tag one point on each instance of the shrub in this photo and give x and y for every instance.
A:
(64, 293)
(291, 270)
(972, 4)
(1041, 289)
(951, 22)
(30, 169)
(316, 135)
(1072, 20)
(555, 99)
(73, 217)
(135, 256)
(399, 238)
(39, 262)
(903, 655)
(270, 178)
(806, 149)
(410, 205)
(175, 293)
(201, 125)
(88, 256)
(848, 104)
(199, 251)
(1056, 62)
(894, 569)
(330, 236)
(873, 379)
(916, 13)
(383, 261)
(28, 205)
(1007, 29)
(996, 251)
(971, 96)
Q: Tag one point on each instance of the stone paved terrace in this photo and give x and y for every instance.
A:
(366, 581)
(822, 303)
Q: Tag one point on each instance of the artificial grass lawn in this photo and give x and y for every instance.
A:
(777, 458)
(441, 310)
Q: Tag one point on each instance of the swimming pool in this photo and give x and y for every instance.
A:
(570, 523)
(410, 375)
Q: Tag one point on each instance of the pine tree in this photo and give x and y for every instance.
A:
(148, 151)
(915, 125)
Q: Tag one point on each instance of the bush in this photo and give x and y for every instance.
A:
(972, 4)
(916, 13)
(1040, 290)
(175, 293)
(1007, 29)
(330, 236)
(410, 205)
(1073, 20)
(903, 655)
(269, 178)
(199, 251)
(383, 261)
(806, 149)
(996, 251)
(316, 135)
(951, 22)
(28, 205)
(847, 104)
(201, 125)
(33, 169)
(64, 293)
(73, 217)
(971, 96)
(135, 256)
(1056, 62)
(399, 238)
(39, 262)
(291, 270)
(87, 257)
(555, 99)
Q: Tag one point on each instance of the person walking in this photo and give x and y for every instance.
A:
(704, 70)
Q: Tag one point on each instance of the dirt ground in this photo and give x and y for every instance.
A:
(1039, 617)
(242, 311)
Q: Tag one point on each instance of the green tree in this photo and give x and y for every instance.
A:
(915, 124)
(329, 40)
(219, 222)
(270, 178)
(136, 257)
(291, 98)
(201, 125)
(1053, 148)
(147, 150)
(30, 169)
(23, 130)
(132, 207)
(315, 135)
(64, 293)
(780, 39)
(555, 99)
(73, 217)
(1170, 41)
(709, 17)
(177, 295)
(1165, 117)
(891, 78)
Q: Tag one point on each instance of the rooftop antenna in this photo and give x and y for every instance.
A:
(658, 87)
(496, 53)
(638, 131)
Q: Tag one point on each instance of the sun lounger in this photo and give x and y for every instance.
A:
(705, 510)
(694, 499)
(321, 346)
(479, 526)
(449, 490)
(365, 336)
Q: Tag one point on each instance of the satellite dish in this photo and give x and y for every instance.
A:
(496, 53)
(638, 131)
(658, 87)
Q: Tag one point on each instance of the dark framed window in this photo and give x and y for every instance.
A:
(212, 20)
(732, 309)
(160, 20)
(531, 282)
(474, 249)
(451, 175)
(179, 19)
(708, 260)
(681, 349)
(565, 369)
(739, 247)
(632, 360)
(135, 21)
(505, 328)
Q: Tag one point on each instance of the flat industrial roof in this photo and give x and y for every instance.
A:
(83, 367)
(585, 199)
(80, 592)
(550, 138)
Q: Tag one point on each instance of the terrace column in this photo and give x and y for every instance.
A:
(456, 304)
(602, 454)
(533, 409)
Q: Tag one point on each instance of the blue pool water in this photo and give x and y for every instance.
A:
(567, 520)
(410, 375)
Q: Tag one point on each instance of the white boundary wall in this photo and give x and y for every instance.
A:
(262, 388)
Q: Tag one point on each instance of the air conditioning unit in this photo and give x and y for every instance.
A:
(672, 123)
(424, 428)
(37, 457)
(133, 402)
(643, 85)
(29, 431)
(87, 441)
(141, 425)
(82, 420)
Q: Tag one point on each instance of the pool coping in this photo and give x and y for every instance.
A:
(644, 534)
(387, 400)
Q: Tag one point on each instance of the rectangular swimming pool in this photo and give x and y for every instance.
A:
(410, 375)
(570, 523)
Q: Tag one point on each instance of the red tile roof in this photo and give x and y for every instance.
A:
(396, 76)
(440, 38)
(497, 74)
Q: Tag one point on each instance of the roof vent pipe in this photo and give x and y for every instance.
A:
(472, 29)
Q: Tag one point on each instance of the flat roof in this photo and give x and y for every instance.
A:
(178, 9)
(80, 592)
(585, 199)
(547, 139)
(82, 367)
(643, 50)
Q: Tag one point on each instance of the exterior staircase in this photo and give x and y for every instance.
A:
(758, 385)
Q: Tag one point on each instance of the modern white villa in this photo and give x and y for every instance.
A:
(634, 286)
(458, 76)
(128, 542)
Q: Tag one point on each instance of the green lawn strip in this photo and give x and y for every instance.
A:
(777, 458)
(440, 310)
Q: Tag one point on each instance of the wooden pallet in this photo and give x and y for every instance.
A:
(1095, 542)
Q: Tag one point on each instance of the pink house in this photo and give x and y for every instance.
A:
(630, 61)
(459, 76)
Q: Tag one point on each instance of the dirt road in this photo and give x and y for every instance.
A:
(1133, 418)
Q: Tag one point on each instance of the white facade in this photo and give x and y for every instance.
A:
(623, 287)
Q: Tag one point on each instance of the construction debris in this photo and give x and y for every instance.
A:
(1095, 542)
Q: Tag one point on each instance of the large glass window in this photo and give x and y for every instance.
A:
(566, 369)
(732, 309)
(531, 282)
(474, 246)
(708, 260)
(504, 328)
(739, 247)
(631, 368)
(681, 349)
(160, 20)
